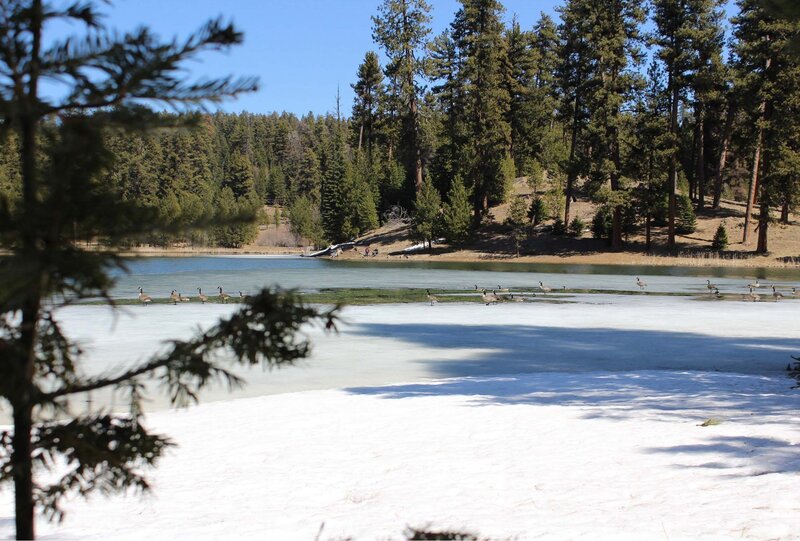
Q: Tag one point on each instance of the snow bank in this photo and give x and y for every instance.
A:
(560, 456)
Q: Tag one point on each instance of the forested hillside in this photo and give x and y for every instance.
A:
(651, 126)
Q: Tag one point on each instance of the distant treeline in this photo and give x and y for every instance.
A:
(444, 126)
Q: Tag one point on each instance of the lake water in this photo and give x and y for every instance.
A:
(159, 276)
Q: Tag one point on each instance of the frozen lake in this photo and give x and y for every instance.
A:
(390, 344)
(159, 276)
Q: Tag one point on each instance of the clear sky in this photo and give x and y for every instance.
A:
(299, 49)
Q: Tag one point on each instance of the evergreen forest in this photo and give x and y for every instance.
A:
(653, 111)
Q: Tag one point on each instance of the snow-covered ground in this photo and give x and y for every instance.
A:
(560, 421)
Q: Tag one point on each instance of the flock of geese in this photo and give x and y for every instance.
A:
(503, 293)
(751, 295)
(499, 294)
(175, 297)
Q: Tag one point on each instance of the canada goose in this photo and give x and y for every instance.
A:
(640, 283)
(717, 293)
(502, 289)
(203, 298)
(488, 298)
(174, 297)
(242, 296)
(512, 298)
(711, 287)
(223, 297)
(755, 297)
(794, 292)
(183, 299)
(755, 285)
(144, 299)
(431, 298)
(777, 294)
(544, 289)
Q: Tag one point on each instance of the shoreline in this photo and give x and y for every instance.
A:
(466, 256)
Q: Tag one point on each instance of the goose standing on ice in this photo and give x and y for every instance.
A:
(711, 287)
(777, 294)
(502, 289)
(144, 299)
(431, 298)
(543, 288)
(755, 297)
(203, 298)
(223, 297)
(174, 297)
(182, 298)
(640, 283)
(755, 285)
(488, 298)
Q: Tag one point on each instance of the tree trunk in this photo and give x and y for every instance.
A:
(723, 155)
(763, 225)
(360, 136)
(21, 460)
(672, 183)
(700, 166)
(571, 174)
(785, 212)
(751, 195)
(647, 233)
(22, 471)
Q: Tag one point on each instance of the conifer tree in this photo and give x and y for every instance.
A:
(368, 89)
(457, 213)
(573, 75)
(676, 39)
(427, 213)
(613, 47)
(401, 28)
(769, 74)
(107, 77)
(478, 33)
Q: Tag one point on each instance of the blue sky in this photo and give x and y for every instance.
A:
(299, 49)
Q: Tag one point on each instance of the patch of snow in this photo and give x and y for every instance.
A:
(595, 455)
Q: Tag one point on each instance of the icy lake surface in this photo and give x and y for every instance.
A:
(385, 344)
(159, 276)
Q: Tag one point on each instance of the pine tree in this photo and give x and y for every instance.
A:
(427, 215)
(332, 196)
(676, 38)
(478, 33)
(457, 213)
(368, 89)
(769, 74)
(720, 242)
(401, 28)
(61, 167)
(518, 222)
(573, 75)
(613, 43)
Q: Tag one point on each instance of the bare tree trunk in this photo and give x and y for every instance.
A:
(360, 136)
(763, 226)
(723, 155)
(571, 174)
(647, 233)
(785, 212)
(672, 183)
(700, 169)
(751, 195)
